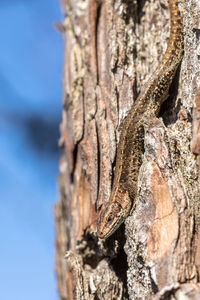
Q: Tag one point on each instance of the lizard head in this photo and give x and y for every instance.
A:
(114, 214)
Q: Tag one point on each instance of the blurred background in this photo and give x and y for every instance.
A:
(31, 56)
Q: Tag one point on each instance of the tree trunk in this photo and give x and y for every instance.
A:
(111, 50)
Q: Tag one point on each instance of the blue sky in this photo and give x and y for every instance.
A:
(31, 57)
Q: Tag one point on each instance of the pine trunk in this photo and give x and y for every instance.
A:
(112, 48)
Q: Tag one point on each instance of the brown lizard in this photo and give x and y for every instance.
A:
(130, 148)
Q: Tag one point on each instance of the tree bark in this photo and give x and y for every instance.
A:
(111, 50)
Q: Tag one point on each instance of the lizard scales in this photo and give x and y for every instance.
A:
(130, 148)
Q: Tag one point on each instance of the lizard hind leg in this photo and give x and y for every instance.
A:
(132, 208)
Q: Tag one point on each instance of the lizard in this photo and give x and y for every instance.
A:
(131, 143)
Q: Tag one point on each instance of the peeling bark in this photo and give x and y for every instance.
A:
(111, 50)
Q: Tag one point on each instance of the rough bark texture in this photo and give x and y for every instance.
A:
(111, 49)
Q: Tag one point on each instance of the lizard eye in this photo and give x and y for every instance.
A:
(109, 219)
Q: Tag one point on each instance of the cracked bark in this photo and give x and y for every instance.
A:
(111, 49)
